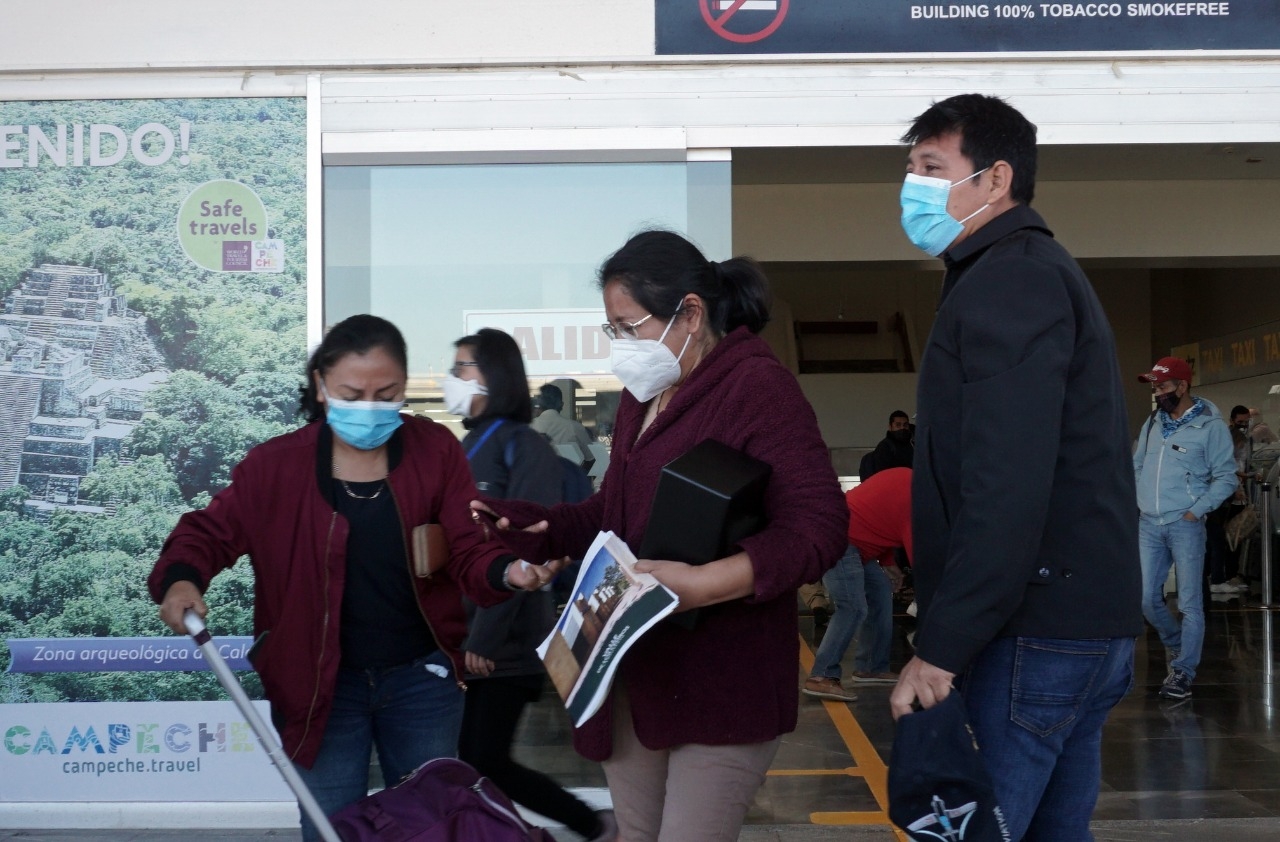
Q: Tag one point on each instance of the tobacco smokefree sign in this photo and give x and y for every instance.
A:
(699, 27)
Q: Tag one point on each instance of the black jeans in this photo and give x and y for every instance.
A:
(491, 714)
(1222, 561)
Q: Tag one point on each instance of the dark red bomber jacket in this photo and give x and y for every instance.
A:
(732, 679)
(276, 511)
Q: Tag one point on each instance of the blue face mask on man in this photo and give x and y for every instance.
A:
(924, 212)
(362, 424)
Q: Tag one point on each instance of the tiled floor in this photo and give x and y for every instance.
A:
(1214, 756)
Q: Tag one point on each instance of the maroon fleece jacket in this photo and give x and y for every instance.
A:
(732, 679)
(275, 512)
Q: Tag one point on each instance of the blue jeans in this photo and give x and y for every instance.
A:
(1037, 706)
(1179, 544)
(408, 712)
(877, 628)
(845, 589)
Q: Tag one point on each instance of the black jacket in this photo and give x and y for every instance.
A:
(888, 454)
(1024, 511)
(515, 462)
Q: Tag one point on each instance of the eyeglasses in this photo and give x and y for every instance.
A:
(456, 371)
(623, 330)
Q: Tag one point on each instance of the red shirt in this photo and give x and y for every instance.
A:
(880, 515)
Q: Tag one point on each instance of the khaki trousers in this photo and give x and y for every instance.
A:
(690, 793)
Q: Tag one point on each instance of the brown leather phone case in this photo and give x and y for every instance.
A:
(430, 549)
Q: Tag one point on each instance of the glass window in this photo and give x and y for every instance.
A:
(443, 251)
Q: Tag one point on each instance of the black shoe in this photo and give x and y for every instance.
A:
(821, 615)
(1176, 686)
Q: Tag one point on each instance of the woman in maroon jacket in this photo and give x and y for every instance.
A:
(695, 717)
(354, 649)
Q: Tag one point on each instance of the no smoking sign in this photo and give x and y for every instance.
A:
(752, 20)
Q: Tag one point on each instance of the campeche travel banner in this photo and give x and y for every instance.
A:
(152, 275)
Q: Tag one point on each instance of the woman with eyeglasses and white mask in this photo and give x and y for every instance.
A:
(355, 649)
(695, 717)
(509, 460)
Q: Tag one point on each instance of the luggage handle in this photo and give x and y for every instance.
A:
(200, 634)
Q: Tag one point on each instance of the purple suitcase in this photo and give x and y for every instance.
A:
(444, 800)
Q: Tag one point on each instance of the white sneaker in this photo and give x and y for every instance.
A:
(1238, 584)
(1223, 587)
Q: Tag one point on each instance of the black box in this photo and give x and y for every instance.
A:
(707, 501)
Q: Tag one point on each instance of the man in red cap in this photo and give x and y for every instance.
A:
(1185, 468)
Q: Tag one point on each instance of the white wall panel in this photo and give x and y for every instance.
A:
(525, 146)
(823, 104)
(1114, 219)
(853, 409)
(20, 87)
(75, 34)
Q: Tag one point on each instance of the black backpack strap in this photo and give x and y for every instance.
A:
(1151, 422)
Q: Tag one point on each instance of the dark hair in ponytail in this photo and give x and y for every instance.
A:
(354, 335)
(659, 268)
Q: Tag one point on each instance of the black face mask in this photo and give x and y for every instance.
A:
(1168, 401)
(900, 436)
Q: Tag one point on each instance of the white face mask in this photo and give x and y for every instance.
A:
(458, 394)
(646, 366)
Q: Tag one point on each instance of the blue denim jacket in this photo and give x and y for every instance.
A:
(1193, 470)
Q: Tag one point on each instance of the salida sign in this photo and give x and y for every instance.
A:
(554, 343)
(699, 27)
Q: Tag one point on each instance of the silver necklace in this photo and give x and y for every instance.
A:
(374, 496)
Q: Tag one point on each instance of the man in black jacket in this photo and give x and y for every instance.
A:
(895, 450)
(1026, 550)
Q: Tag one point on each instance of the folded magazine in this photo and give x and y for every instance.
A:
(611, 606)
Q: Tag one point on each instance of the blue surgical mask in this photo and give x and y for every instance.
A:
(362, 424)
(924, 212)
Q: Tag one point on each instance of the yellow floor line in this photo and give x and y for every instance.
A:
(874, 818)
(868, 761)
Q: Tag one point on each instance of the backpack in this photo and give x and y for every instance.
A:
(575, 485)
(444, 800)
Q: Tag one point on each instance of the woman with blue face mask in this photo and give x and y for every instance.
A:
(357, 648)
(695, 717)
